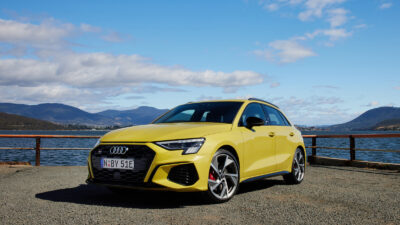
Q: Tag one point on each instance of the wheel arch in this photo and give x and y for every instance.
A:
(232, 150)
(302, 149)
(304, 152)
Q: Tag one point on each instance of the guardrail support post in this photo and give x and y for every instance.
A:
(314, 146)
(37, 163)
(314, 149)
(352, 148)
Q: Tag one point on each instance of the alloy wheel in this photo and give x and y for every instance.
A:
(298, 166)
(223, 176)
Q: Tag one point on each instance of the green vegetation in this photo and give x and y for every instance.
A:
(392, 124)
(15, 122)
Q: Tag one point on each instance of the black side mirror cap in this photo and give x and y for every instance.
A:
(254, 121)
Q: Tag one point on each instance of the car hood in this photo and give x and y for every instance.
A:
(164, 131)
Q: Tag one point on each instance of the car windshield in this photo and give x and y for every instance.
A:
(216, 112)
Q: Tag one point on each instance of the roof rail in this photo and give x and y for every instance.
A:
(257, 99)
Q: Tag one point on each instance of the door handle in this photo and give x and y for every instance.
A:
(271, 134)
(291, 134)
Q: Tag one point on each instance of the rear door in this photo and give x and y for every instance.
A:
(283, 132)
(259, 157)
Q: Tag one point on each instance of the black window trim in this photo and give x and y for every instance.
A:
(285, 120)
(240, 118)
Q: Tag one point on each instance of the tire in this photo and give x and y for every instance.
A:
(298, 168)
(223, 177)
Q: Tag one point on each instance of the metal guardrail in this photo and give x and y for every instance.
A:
(352, 148)
(38, 138)
(314, 146)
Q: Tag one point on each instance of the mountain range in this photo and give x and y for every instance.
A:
(378, 118)
(370, 119)
(65, 114)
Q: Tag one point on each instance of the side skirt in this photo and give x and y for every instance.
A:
(265, 176)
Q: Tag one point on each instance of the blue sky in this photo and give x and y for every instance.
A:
(321, 61)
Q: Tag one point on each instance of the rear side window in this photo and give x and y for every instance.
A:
(252, 110)
(274, 117)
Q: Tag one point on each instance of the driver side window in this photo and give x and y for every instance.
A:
(252, 110)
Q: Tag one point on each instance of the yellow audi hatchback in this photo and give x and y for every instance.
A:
(209, 146)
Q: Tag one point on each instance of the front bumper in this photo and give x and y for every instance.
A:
(166, 170)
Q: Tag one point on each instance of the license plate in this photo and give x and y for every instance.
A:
(111, 163)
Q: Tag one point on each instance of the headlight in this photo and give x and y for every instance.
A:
(189, 146)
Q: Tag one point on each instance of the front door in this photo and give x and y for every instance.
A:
(259, 157)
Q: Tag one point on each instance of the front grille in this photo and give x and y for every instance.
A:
(183, 174)
(143, 157)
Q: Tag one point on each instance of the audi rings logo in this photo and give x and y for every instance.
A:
(118, 150)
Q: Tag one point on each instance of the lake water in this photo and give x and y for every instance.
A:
(78, 157)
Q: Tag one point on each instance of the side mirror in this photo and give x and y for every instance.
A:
(254, 121)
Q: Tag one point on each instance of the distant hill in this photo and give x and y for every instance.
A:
(15, 122)
(65, 114)
(370, 119)
(140, 115)
(58, 113)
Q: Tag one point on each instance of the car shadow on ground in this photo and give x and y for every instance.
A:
(98, 195)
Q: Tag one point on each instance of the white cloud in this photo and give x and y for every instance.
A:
(310, 9)
(326, 86)
(266, 54)
(336, 34)
(284, 51)
(106, 70)
(50, 93)
(54, 72)
(290, 51)
(386, 5)
(89, 28)
(397, 88)
(315, 8)
(274, 85)
(272, 7)
(337, 17)
(360, 26)
(313, 110)
(208, 98)
(295, 2)
(48, 34)
(115, 37)
(372, 104)
(293, 49)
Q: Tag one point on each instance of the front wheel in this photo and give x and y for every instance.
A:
(298, 168)
(223, 177)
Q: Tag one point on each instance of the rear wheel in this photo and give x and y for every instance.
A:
(298, 168)
(223, 177)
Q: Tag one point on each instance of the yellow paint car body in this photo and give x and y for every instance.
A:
(261, 151)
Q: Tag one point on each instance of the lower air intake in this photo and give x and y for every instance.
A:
(183, 174)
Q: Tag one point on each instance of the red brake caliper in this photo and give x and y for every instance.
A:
(211, 176)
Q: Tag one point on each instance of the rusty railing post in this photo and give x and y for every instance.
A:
(352, 148)
(314, 149)
(37, 163)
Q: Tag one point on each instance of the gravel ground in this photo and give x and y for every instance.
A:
(328, 195)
